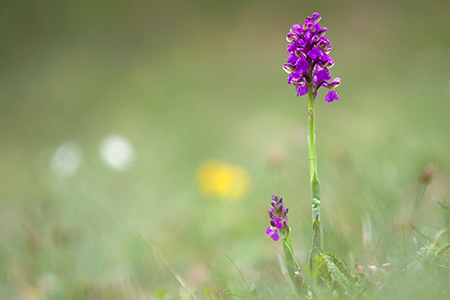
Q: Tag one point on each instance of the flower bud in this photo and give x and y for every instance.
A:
(323, 43)
(290, 37)
(288, 68)
(300, 53)
(427, 174)
(328, 64)
(295, 28)
(315, 17)
(334, 83)
(307, 25)
(322, 31)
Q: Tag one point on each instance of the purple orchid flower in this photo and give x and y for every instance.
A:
(308, 63)
(278, 219)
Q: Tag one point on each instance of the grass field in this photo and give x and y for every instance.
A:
(187, 83)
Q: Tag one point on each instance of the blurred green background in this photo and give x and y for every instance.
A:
(180, 83)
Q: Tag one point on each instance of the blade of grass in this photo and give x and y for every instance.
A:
(242, 296)
(273, 292)
(171, 269)
(242, 275)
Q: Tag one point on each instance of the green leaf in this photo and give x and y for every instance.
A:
(340, 274)
(284, 271)
(292, 266)
(316, 250)
(160, 293)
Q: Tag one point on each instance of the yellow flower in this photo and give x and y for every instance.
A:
(217, 178)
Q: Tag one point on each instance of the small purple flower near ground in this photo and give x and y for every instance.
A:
(278, 219)
(309, 61)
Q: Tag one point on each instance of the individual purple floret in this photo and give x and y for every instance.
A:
(278, 219)
(308, 62)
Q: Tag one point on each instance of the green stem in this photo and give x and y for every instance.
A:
(317, 240)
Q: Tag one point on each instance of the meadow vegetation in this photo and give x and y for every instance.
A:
(194, 86)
